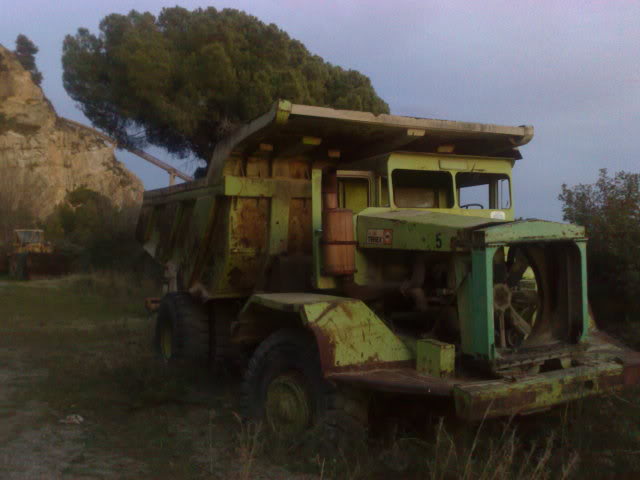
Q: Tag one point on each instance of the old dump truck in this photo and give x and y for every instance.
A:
(344, 253)
(32, 257)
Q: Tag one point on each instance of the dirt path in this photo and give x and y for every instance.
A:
(67, 353)
(34, 443)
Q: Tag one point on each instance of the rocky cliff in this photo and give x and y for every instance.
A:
(35, 142)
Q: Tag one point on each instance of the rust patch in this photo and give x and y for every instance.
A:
(369, 365)
(347, 311)
(397, 377)
(249, 225)
(326, 346)
(327, 309)
(300, 169)
(299, 240)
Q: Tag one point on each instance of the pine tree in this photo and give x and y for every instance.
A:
(26, 53)
(184, 79)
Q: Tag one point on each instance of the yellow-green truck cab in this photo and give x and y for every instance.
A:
(347, 252)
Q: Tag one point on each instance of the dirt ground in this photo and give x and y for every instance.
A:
(81, 397)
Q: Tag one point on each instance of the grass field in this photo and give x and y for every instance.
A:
(82, 346)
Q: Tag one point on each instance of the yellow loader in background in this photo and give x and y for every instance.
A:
(32, 257)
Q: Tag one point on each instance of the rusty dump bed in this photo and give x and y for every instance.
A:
(256, 199)
(608, 366)
(290, 129)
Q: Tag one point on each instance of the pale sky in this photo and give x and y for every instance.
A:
(570, 68)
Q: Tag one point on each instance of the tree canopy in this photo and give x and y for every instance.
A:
(183, 80)
(26, 54)
(610, 211)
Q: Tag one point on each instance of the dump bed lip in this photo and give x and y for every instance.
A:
(431, 125)
(357, 135)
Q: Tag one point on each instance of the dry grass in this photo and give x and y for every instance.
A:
(503, 458)
(91, 334)
(250, 443)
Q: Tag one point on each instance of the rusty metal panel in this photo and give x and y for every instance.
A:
(435, 358)
(237, 258)
(300, 226)
(248, 221)
(410, 229)
(350, 337)
(300, 169)
(257, 167)
(396, 380)
(510, 396)
(196, 239)
(527, 231)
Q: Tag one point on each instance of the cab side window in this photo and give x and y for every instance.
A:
(483, 190)
(353, 193)
(422, 189)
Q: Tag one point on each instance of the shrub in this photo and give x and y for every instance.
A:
(610, 211)
(97, 233)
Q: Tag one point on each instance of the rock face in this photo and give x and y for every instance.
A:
(34, 141)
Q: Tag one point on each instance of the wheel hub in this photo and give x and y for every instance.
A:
(518, 328)
(287, 407)
(501, 296)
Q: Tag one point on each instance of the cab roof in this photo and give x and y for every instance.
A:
(291, 130)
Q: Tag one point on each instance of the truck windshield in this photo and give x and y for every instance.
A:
(483, 190)
(422, 189)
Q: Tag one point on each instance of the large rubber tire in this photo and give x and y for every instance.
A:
(222, 354)
(182, 329)
(284, 388)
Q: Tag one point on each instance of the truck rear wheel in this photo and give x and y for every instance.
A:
(182, 329)
(223, 357)
(284, 388)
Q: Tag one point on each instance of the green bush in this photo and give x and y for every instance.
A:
(610, 211)
(99, 235)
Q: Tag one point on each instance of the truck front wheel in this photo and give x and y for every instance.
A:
(284, 388)
(182, 329)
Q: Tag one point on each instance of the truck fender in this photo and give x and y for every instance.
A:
(349, 335)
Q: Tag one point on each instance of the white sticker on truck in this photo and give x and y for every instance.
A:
(379, 236)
